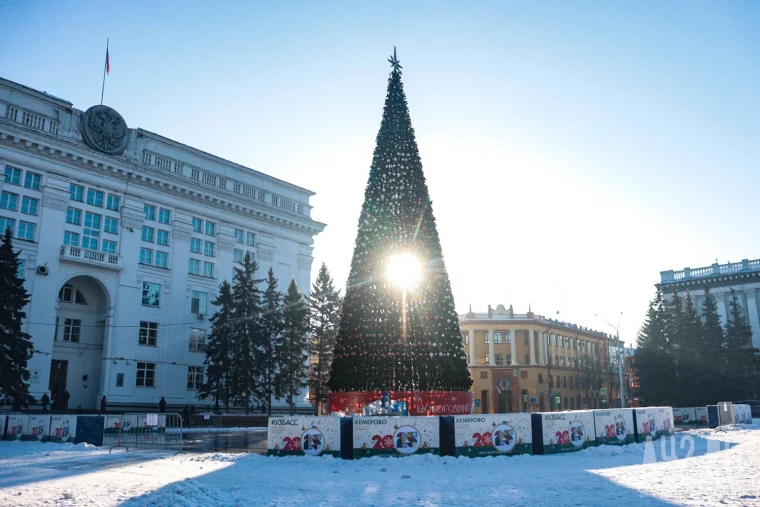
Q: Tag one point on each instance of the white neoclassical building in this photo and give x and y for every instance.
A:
(743, 277)
(125, 236)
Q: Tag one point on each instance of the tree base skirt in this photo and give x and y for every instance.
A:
(411, 403)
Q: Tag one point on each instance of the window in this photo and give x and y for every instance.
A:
(148, 333)
(488, 357)
(164, 215)
(74, 216)
(29, 205)
(524, 374)
(113, 202)
(237, 255)
(195, 267)
(497, 337)
(68, 294)
(571, 382)
(210, 228)
(150, 212)
(91, 231)
(466, 338)
(194, 377)
(508, 337)
(7, 223)
(119, 380)
(70, 238)
(146, 256)
(197, 339)
(499, 359)
(485, 337)
(151, 294)
(146, 374)
(147, 234)
(564, 382)
(162, 237)
(77, 192)
(527, 358)
(72, 329)
(9, 201)
(527, 338)
(95, 197)
(239, 236)
(540, 378)
(195, 245)
(572, 403)
(509, 358)
(32, 180)
(109, 247)
(111, 225)
(21, 268)
(208, 269)
(555, 340)
(26, 231)
(249, 239)
(199, 303)
(208, 248)
(12, 176)
(161, 259)
(197, 224)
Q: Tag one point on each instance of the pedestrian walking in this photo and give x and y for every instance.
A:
(103, 405)
(162, 405)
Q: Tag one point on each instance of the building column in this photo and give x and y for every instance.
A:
(491, 354)
(472, 347)
(514, 346)
(532, 346)
(542, 349)
(720, 301)
(752, 316)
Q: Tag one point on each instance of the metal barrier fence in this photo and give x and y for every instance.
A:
(156, 430)
(227, 421)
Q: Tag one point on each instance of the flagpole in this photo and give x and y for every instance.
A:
(105, 65)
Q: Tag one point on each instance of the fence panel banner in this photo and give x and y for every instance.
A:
(399, 436)
(38, 428)
(112, 424)
(743, 414)
(567, 431)
(17, 425)
(63, 428)
(310, 435)
(654, 422)
(493, 434)
(687, 415)
(700, 413)
(614, 427)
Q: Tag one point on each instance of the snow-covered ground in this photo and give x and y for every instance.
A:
(699, 467)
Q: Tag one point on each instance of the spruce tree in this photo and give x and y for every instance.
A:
(391, 338)
(247, 331)
(271, 336)
(325, 304)
(741, 357)
(688, 387)
(292, 349)
(712, 352)
(654, 363)
(15, 345)
(219, 349)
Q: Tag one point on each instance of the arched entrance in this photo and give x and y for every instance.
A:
(80, 327)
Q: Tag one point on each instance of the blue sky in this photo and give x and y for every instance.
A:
(573, 149)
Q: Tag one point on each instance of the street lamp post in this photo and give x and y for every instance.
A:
(619, 356)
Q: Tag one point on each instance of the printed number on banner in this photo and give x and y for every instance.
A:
(483, 440)
(385, 442)
(291, 444)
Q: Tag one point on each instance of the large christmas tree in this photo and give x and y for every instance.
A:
(399, 330)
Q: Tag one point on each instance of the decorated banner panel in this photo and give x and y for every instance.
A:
(312, 436)
(567, 431)
(112, 424)
(614, 427)
(493, 434)
(63, 428)
(653, 422)
(395, 436)
(743, 414)
(700, 415)
(37, 428)
(685, 416)
(401, 403)
(17, 425)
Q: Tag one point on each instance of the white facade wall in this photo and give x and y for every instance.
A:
(41, 135)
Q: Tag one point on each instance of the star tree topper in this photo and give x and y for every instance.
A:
(395, 63)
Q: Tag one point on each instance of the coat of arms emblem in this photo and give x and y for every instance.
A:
(104, 130)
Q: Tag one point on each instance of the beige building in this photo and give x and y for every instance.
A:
(523, 362)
